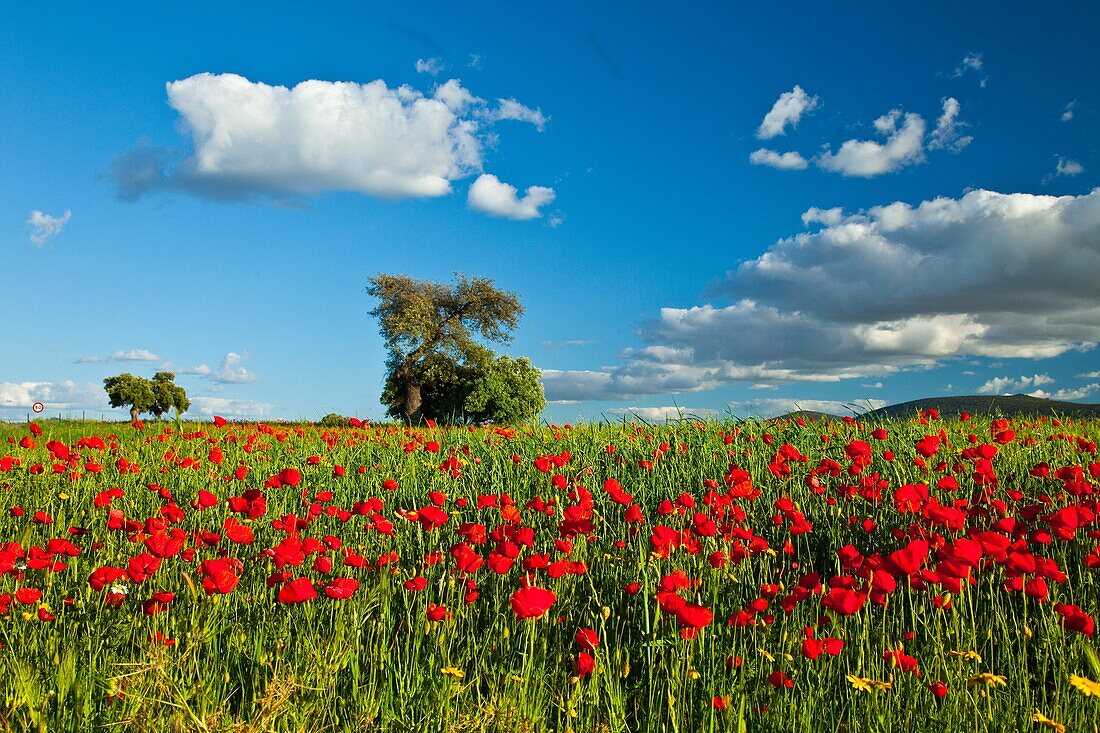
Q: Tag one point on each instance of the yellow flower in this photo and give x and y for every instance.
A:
(766, 654)
(1085, 686)
(969, 656)
(866, 684)
(694, 674)
(453, 672)
(986, 679)
(517, 678)
(1038, 717)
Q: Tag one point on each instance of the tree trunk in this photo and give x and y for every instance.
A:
(412, 402)
(134, 412)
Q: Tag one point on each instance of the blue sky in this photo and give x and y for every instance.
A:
(709, 206)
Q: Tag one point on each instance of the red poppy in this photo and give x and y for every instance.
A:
(298, 590)
(587, 639)
(532, 602)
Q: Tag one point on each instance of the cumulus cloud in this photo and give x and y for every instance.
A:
(1067, 111)
(201, 370)
(209, 406)
(1008, 385)
(660, 414)
(946, 135)
(66, 395)
(492, 196)
(829, 217)
(1070, 393)
(432, 66)
(768, 407)
(1089, 375)
(232, 371)
(787, 110)
(790, 161)
(1067, 167)
(44, 226)
(896, 287)
(867, 158)
(510, 109)
(250, 138)
(135, 355)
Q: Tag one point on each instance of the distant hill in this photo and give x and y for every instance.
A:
(808, 416)
(1002, 405)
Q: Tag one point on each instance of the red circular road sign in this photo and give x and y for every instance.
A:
(38, 407)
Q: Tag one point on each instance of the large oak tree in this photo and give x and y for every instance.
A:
(428, 325)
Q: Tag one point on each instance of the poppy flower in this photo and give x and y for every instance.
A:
(532, 602)
(587, 639)
(298, 590)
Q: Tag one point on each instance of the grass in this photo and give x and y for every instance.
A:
(243, 661)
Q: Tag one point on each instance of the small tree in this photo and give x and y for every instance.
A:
(126, 389)
(156, 396)
(430, 329)
(508, 391)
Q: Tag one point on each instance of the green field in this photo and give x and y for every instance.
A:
(927, 575)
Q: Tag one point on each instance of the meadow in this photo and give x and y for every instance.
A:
(932, 574)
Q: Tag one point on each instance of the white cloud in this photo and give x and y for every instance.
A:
(232, 372)
(1068, 167)
(88, 359)
(226, 407)
(1008, 385)
(563, 344)
(790, 161)
(971, 62)
(660, 414)
(904, 146)
(492, 196)
(135, 355)
(1073, 393)
(432, 66)
(476, 61)
(510, 109)
(250, 138)
(1089, 375)
(875, 385)
(1067, 111)
(829, 217)
(769, 407)
(787, 110)
(946, 135)
(897, 287)
(66, 395)
(202, 370)
(44, 227)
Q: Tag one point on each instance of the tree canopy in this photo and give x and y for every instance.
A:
(431, 332)
(156, 396)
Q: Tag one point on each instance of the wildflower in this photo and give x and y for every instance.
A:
(970, 656)
(1038, 717)
(453, 672)
(1085, 686)
(532, 602)
(867, 684)
(984, 680)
